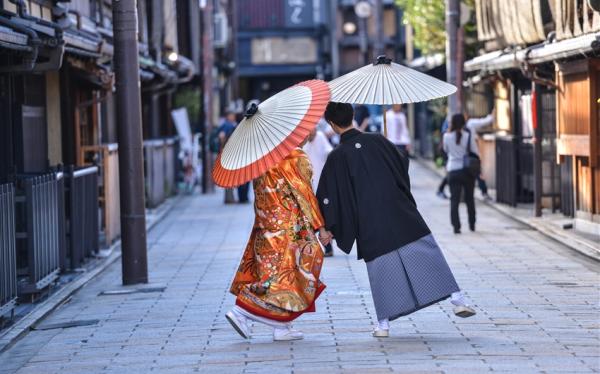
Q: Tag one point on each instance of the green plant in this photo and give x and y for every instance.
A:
(189, 98)
(428, 20)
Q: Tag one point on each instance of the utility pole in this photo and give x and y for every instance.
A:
(409, 55)
(207, 74)
(364, 41)
(129, 124)
(452, 63)
(379, 37)
(233, 78)
(363, 10)
(537, 149)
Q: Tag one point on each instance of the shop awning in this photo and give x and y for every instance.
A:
(537, 54)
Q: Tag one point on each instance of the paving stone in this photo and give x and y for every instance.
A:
(528, 320)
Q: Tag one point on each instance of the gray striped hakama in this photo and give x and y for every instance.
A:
(410, 278)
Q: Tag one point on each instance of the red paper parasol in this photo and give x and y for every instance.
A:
(269, 132)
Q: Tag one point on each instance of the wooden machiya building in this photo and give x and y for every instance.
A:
(279, 43)
(542, 65)
(59, 176)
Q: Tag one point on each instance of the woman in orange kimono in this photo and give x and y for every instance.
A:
(278, 277)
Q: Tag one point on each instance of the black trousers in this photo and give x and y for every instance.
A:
(480, 182)
(460, 182)
(243, 192)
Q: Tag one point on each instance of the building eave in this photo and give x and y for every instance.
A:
(492, 61)
(535, 55)
(12, 37)
(567, 48)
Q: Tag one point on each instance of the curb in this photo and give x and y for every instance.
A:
(580, 246)
(575, 244)
(41, 311)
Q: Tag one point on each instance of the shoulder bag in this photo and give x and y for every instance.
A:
(471, 161)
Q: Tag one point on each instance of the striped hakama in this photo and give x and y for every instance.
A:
(410, 278)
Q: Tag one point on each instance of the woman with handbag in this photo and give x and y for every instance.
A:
(463, 164)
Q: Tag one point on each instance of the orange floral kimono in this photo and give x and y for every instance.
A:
(278, 277)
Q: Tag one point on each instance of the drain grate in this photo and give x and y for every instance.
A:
(130, 291)
(66, 325)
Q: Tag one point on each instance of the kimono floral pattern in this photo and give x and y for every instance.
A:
(278, 277)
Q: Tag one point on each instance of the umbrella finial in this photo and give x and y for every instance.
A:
(252, 109)
(383, 59)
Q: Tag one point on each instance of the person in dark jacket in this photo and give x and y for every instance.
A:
(364, 195)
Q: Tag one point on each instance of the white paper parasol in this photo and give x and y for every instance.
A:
(270, 131)
(386, 83)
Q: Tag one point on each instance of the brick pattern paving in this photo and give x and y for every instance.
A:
(538, 308)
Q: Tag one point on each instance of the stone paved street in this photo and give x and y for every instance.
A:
(538, 308)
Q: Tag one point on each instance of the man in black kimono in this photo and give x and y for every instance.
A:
(364, 195)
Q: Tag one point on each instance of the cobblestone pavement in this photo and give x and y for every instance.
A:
(538, 308)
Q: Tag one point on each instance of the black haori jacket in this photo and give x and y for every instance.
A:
(364, 195)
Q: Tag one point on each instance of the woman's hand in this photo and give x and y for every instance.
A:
(325, 236)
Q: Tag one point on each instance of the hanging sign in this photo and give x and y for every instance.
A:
(299, 13)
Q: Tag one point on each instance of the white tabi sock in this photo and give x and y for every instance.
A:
(458, 299)
(383, 324)
(255, 318)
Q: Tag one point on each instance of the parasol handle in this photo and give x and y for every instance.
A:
(384, 122)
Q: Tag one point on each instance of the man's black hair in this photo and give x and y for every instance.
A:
(340, 114)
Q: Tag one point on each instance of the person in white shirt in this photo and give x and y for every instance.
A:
(474, 125)
(456, 142)
(397, 129)
(317, 148)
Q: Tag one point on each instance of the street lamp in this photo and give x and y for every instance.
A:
(173, 56)
(349, 28)
(363, 10)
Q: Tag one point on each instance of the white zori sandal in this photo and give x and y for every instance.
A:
(380, 333)
(286, 334)
(383, 329)
(461, 309)
(239, 323)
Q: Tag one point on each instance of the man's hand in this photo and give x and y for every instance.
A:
(325, 236)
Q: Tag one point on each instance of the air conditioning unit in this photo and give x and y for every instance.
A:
(221, 32)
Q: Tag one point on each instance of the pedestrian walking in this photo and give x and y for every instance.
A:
(317, 148)
(460, 145)
(227, 128)
(364, 194)
(397, 129)
(473, 125)
(189, 176)
(278, 278)
(362, 116)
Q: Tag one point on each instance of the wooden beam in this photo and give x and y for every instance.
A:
(576, 145)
